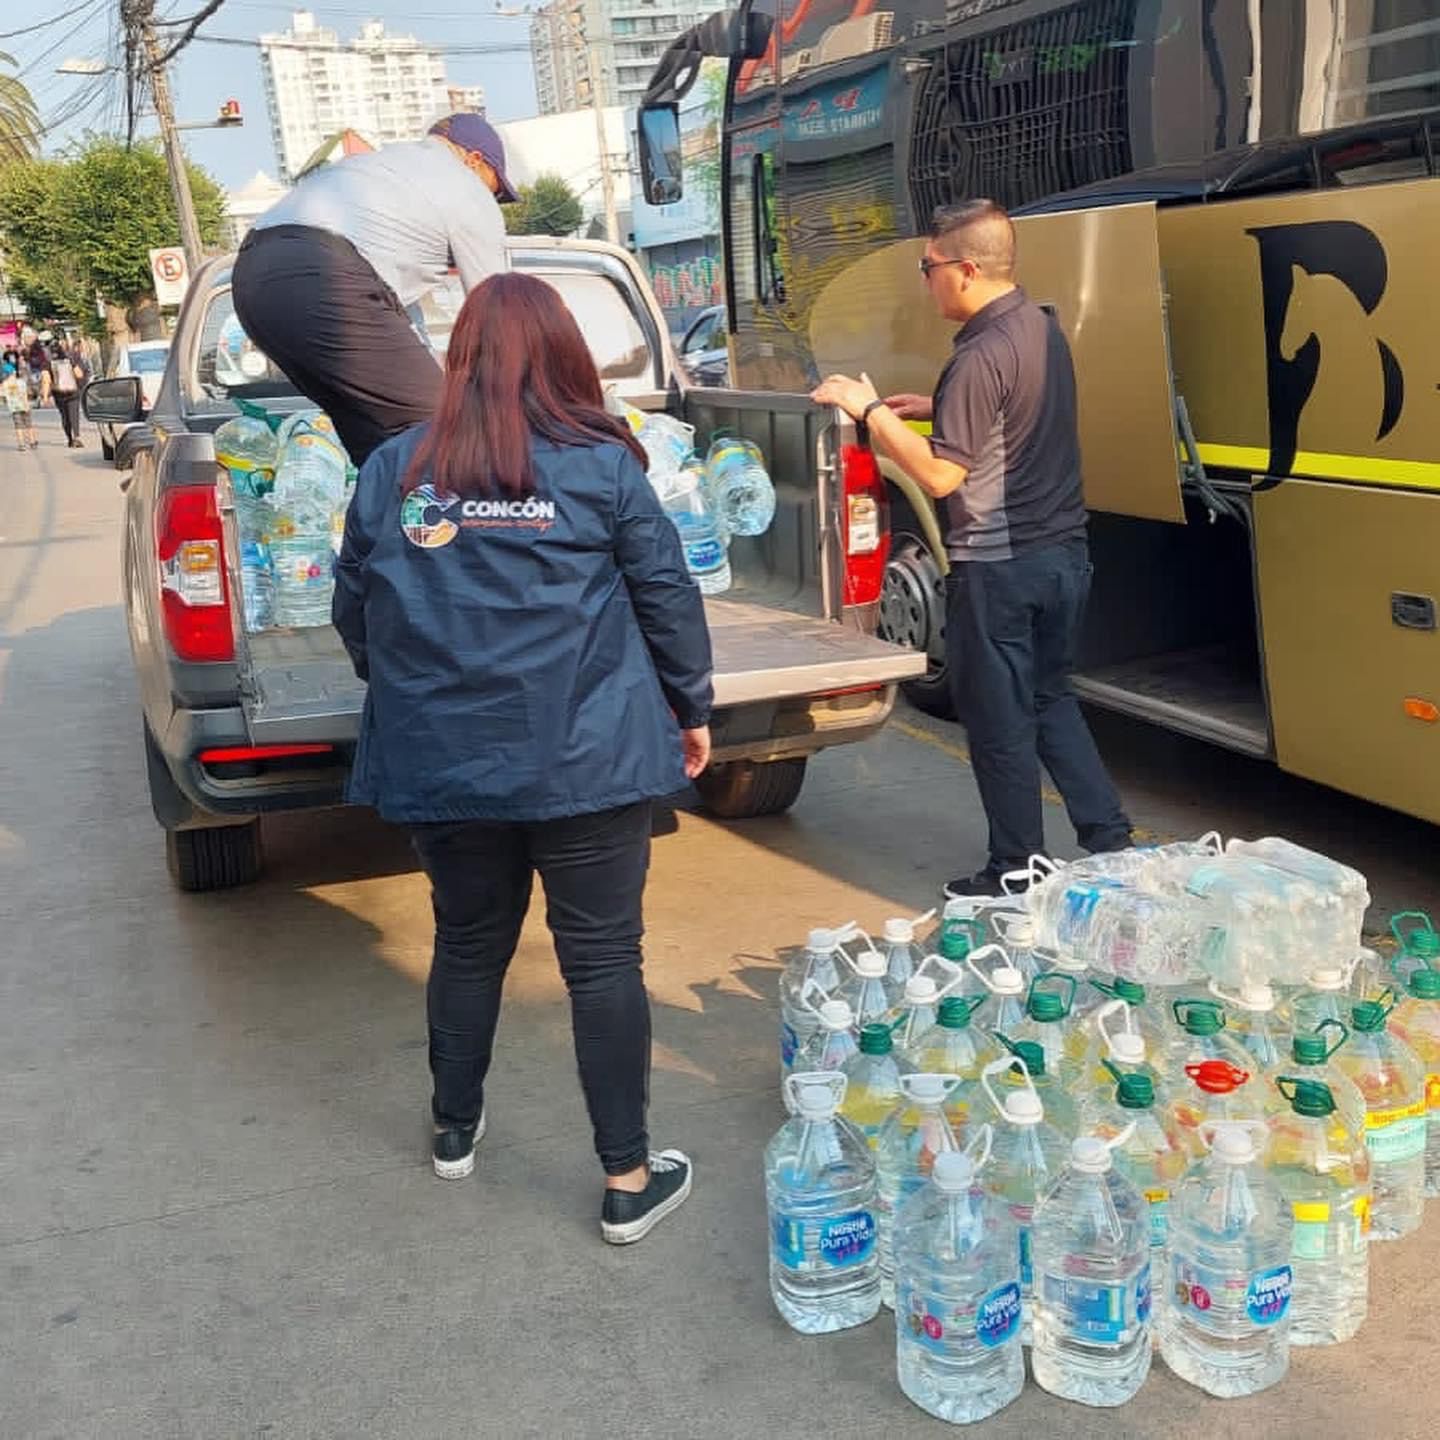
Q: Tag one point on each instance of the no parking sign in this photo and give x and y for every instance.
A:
(172, 275)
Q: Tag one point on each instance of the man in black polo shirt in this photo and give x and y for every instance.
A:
(1004, 455)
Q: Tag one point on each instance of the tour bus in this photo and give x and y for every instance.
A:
(1229, 206)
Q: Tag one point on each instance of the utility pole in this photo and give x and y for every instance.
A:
(607, 180)
(143, 12)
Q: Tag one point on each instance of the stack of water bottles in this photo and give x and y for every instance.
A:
(291, 483)
(1156, 1101)
(709, 501)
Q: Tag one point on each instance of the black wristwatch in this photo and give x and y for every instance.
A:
(865, 413)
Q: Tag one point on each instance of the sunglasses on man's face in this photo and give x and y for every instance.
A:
(927, 264)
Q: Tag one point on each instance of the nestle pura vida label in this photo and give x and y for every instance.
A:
(834, 1240)
(934, 1322)
(1264, 1295)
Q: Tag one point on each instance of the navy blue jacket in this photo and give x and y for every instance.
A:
(524, 658)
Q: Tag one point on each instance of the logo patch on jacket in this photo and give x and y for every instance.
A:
(422, 517)
(424, 512)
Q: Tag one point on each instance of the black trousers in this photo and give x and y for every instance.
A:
(593, 869)
(68, 404)
(1010, 634)
(317, 308)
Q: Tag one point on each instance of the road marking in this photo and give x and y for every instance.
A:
(957, 751)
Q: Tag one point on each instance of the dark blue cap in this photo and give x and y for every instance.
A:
(476, 134)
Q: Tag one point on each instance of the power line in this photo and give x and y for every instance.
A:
(45, 24)
(191, 26)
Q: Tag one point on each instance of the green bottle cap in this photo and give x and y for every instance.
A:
(955, 945)
(1134, 1089)
(1306, 1097)
(1199, 1017)
(955, 1011)
(1424, 984)
(1047, 1004)
(1369, 1016)
(875, 1040)
(1033, 1054)
(1309, 1050)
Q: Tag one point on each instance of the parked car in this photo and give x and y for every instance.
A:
(702, 350)
(145, 358)
(237, 724)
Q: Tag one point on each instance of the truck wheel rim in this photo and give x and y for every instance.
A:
(911, 609)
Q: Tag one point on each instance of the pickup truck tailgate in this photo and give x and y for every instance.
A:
(297, 685)
(765, 654)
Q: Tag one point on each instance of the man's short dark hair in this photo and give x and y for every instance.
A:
(978, 230)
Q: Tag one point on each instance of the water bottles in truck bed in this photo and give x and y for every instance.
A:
(739, 486)
(683, 496)
(246, 446)
(309, 503)
(820, 1195)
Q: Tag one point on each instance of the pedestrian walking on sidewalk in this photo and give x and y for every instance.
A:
(539, 673)
(1004, 456)
(326, 279)
(17, 401)
(67, 378)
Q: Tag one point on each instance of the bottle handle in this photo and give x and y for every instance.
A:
(1212, 842)
(983, 1140)
(1402, 936)
(1119, 1138)
(1032, 872)
(833, 1080)
(806, 1003)
(1212, 1126)
(1005, 922)
(924, 919)
(979, 974)
(1113, 1007)
(950, 1083)
(956, 973)
(1331, 1023)
(994, 1067)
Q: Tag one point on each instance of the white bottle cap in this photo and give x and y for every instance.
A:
(953, 1172)
(925, 1087)
(899, 932)
(1090, 1155)
(1021, 932)
(870, 964)
(1128, 1047)
(1233, 1144)
(836, 1015)
(1257, 996)
(1024, 1107)
(821, 941)
(1007, 980)
(921, 990)
(1330, 978)
(816, 1102)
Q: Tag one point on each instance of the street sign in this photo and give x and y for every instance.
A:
(172, 277)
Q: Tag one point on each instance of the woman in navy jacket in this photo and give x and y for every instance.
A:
(539, 673)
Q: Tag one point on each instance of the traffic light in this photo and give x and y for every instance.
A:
(230, 114)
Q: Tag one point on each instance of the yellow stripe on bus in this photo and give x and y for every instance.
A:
(1403, 474)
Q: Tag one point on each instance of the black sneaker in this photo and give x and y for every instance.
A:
(453, 1150)
(626, 1218)
(985, 882)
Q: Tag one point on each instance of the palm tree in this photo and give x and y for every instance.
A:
(19, 119)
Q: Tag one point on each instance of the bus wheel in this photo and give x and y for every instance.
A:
(912, 614)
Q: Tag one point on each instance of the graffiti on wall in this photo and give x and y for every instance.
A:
(689, 284)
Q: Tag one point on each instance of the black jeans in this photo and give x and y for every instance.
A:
(593, 869)
(68, 404)
(1010, 634)
(317, 308)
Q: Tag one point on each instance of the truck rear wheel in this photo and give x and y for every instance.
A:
(214, 859)
(912, 613)
(744, 789)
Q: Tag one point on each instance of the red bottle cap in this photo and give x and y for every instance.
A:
(1217, 1077)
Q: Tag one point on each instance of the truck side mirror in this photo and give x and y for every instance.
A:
(119, 400)
(657, 137)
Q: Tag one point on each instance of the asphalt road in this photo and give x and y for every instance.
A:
(216, 1215)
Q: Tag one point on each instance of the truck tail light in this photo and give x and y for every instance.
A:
(866, 524)
(194, 590)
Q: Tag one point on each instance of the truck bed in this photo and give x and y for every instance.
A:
(299, 687)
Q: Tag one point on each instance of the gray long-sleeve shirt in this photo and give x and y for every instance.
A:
(411, 210)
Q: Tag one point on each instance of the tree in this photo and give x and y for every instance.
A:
(85, 224)
(19, 119)
(548, 207)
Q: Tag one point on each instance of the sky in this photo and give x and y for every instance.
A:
(205, 75)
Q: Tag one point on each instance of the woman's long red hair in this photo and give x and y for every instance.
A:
(518, 367)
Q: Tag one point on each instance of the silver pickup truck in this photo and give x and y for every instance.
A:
(236, 725)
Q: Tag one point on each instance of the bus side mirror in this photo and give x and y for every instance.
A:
(657, 138)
